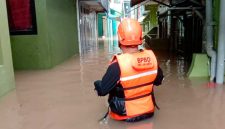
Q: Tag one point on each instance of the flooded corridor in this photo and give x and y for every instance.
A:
(64, 97)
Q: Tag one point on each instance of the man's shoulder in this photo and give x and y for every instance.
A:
(114, 64)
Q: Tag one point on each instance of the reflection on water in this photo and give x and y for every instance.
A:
(88, 33)
(180, 69)
(10, 108)
(64, 97)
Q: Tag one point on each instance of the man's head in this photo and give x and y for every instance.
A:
(130, 33)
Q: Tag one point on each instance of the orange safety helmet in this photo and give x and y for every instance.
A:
(130, 32)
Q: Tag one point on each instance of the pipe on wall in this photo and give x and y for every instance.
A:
(209, 39)
(221, 42)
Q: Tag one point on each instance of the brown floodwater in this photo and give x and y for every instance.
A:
(64, 98)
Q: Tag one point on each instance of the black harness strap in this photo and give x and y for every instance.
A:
(138, 97)
(134, 87)
(153, 98)
(104, 117)
(154, 101)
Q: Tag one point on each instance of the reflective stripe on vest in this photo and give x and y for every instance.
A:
(138, 75)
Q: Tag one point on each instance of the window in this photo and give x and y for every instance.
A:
(117, 1)
(21, 15)
(126, 7)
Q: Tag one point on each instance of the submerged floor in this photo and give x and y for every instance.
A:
(64, 97)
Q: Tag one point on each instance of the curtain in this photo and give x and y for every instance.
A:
(19, 14)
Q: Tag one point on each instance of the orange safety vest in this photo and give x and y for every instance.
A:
(138, 71)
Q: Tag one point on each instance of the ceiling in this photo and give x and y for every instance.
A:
(134, 2)
(92, 5)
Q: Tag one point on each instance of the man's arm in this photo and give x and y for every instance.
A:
(109, 80)
(159, 77)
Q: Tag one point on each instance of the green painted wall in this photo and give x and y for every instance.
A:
(56, 39)
(153, 14)
(1, 56)
(199, 66)
(6, 67)
(32, 51)
(151, 19)
(62, 29)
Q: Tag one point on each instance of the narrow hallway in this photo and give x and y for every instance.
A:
(64, 97)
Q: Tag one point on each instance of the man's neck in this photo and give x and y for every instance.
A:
(130, 49)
